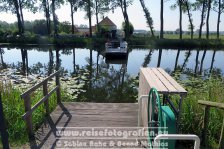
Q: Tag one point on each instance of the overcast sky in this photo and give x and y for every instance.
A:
(136, 16)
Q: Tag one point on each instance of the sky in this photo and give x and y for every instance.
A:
(136, 16)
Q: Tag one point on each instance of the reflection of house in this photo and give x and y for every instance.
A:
(106, 25)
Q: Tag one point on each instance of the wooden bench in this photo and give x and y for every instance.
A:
(165, 85)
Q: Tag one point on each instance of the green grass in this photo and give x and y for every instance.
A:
(184, 36)
(13, 107)
(211, 89)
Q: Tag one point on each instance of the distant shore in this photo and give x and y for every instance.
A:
(65, 41)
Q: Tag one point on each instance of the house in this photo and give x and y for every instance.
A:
(106, 26)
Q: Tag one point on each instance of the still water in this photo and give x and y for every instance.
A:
(198, 61)
(94, 78)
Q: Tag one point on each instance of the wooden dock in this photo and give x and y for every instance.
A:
(71, 115)
(64, 127)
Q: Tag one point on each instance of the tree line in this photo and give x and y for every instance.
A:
(91, 7)
(100, 7)
(204, 7)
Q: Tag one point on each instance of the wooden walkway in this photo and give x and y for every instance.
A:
(71, 115)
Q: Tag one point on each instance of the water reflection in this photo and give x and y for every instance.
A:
(3, 65)
(159, 57)
(106, 80)
(213, 60)
(187, 55)
(148, 59)
(25, 68)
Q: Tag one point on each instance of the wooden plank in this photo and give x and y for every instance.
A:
(58, 92)
(166, 83)
(30, 111)
(45, 93)
(29, 125)
(39, 84)
(205, 126)
(150, 82)
(71, 115)
(221, 139)
(153, 81)
(211, 104)
(179, 88)
(161, 88)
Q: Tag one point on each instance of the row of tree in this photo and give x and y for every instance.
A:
(91, 7)
(203, 6)
(187, 6)
(99, 7)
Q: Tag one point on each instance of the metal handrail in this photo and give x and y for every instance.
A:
(195, 138)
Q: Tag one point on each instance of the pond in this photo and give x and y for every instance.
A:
(105, 80)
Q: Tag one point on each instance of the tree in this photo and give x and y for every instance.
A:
(100, 7)
(220, 5)
(45, 6)
(148, 17)
(56, 4)
(161, 19)
(16, 7)
(179, 3)
(131, 28)
(207, 20)
(90, 18)
(123, 4)
(13, 6)
(64, 27)
(180, 19)
(74, 5)
(187, 8)
(201, 5)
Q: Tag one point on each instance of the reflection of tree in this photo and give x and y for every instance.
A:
(196, 65)
(73, 51)
(176, 62)
(25, 68)
(111, 85)
(187, 55)
(97, 64)
(159, 58)
(212, 62)
(202, 61)
(147, 59)
(51, 62)
(2, 61)
(90, 71)
(58, 60)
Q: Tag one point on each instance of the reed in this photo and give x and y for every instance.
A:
(211, 89)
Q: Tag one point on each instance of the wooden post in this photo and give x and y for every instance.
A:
(3, 132)
(205, 126)
(221, 140)
(58, 90)
(46, 102)
(29, 125)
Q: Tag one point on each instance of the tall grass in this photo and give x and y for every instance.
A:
(210, 89)
(13, 107)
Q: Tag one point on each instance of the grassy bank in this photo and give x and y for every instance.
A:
(69, 40)
(211, 89)
(13, 108)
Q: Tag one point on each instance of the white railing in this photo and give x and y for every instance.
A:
(178, 137)
(140, 109)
